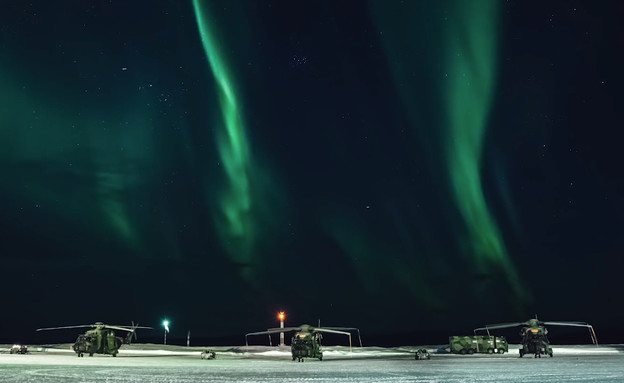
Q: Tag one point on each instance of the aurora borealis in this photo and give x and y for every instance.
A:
(468, 73)
(238, 230)
(453, 163)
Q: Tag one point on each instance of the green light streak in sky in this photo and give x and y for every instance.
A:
(237, 231)
(110, 188)
(472, 73)
(443, 59)
(65, 163)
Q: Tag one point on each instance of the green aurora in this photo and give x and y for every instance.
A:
(326, 156)
(472, 72)
(235, 220)
(466, 44)
(446, 76)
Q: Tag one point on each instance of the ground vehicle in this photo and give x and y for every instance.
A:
(101, 339)
(306, 343)
(208, 354)
(422, 354)
(534, 335)
(483, 344)
(19, 349)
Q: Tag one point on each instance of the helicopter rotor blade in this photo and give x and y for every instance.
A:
(592, 333)
(64, 327)
(134, 327)
(325, 329)
(341, 328)
(124, 328)
(573, 324)
(271, 331)
(275, 331)
(501, 325)
(285, 329)
(347, 329)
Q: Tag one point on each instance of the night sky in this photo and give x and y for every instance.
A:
(405, 167)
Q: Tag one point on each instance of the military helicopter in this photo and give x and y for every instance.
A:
(534, 335)
(306, 342)
(101, 339)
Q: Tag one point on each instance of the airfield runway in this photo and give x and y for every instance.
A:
(155, 363)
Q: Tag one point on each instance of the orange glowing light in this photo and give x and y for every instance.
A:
(281, 315)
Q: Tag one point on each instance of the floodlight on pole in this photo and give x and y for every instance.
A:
(166, 326)
(281, 316)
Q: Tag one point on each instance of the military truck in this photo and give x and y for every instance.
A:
(481, 344)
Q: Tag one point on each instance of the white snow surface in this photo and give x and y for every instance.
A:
(158, 363)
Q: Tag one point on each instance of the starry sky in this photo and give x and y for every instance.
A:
(405, 167)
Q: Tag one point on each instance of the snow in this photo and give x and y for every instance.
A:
(157, 363)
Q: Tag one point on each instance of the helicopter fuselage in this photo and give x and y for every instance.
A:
(306, 345)
(535, 341)
(98, 341)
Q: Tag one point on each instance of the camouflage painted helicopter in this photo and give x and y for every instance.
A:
(534, 335)
(100, 339)
(306, 342)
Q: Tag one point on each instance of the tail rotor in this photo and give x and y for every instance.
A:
(132, 333)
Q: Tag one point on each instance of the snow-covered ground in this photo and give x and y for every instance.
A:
(158, 363)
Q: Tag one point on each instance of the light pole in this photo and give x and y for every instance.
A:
(166, 326)
(281, 316)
